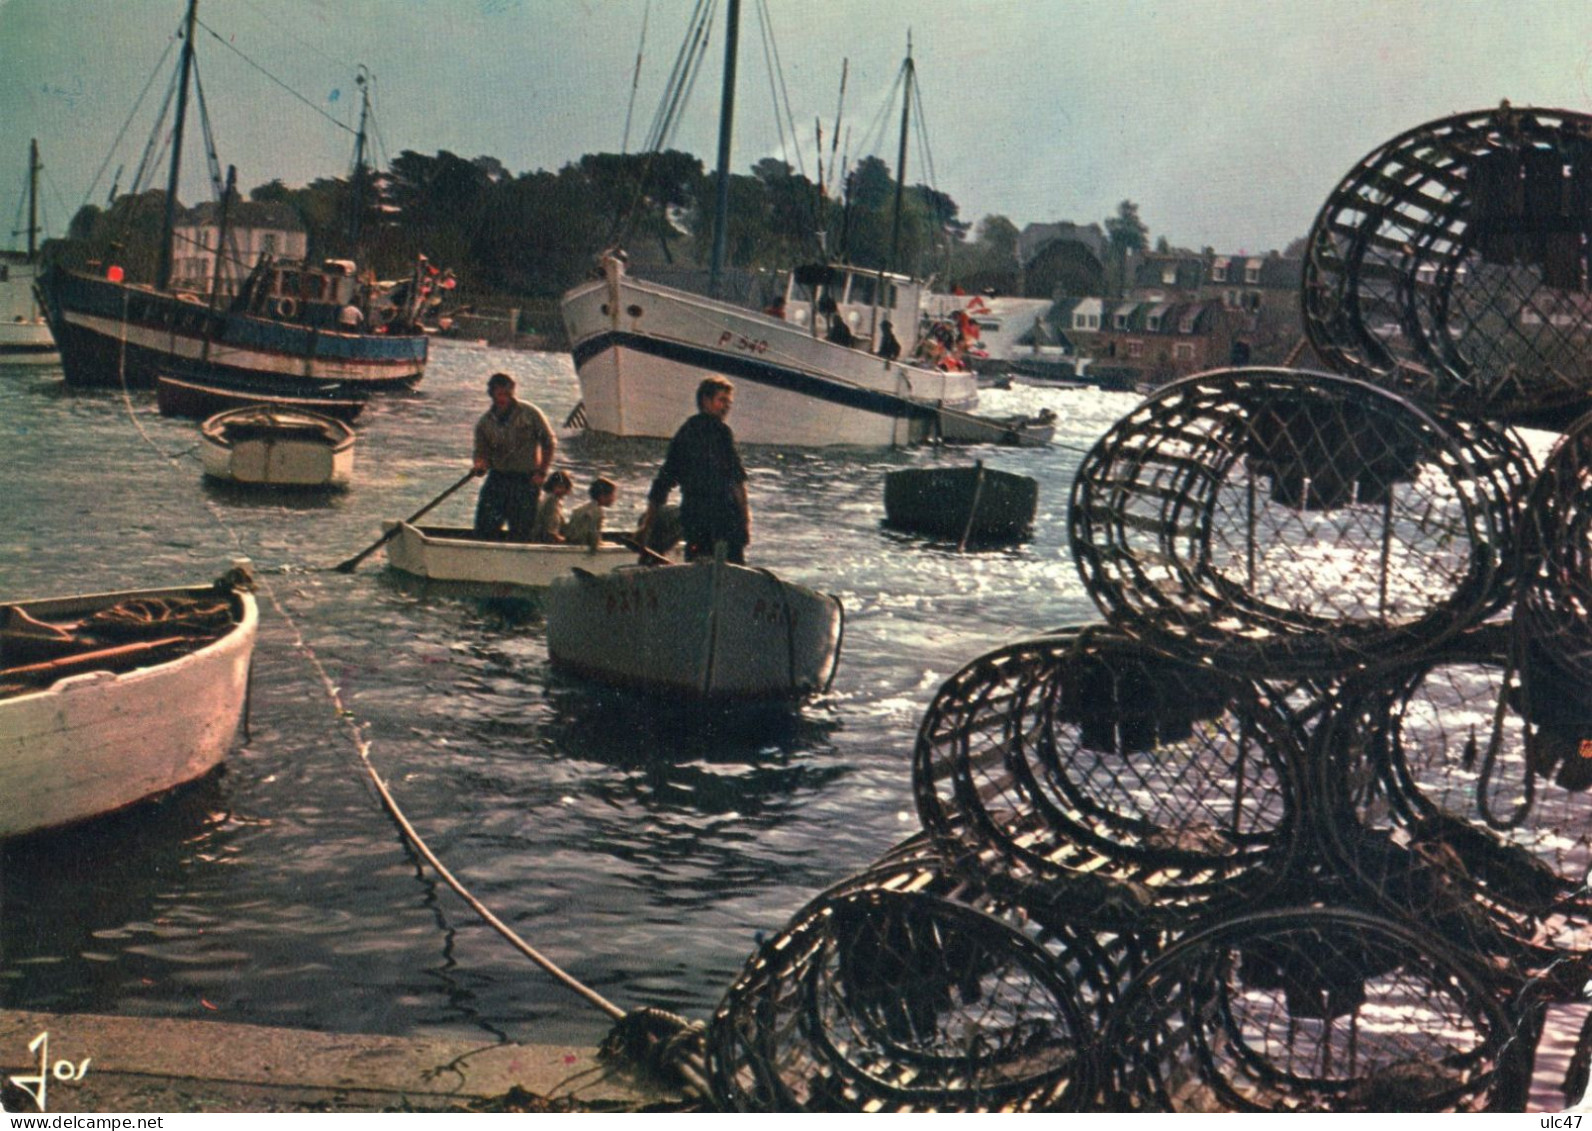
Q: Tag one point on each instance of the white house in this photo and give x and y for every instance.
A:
(254, 229)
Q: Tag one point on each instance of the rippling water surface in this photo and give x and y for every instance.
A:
(644, 850)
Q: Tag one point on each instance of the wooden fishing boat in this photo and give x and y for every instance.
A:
(200, 400)
(272, 447)
(966, 504)
(455, 554)
(708, 630)
(108, 699)
(282, 322)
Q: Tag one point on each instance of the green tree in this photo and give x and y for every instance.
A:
(1126, 234)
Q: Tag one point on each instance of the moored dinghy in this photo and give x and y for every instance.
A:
(707, 630)
(455, 554)
(275, 447)
(968, 504)
(108, 699)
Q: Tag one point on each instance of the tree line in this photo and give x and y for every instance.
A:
(524, 239)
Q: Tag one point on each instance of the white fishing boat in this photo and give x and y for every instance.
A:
(108, 699)
(24, 333)
(275, 447)
(641, 349)
(708, 630)
(455, 554)
(811, 376)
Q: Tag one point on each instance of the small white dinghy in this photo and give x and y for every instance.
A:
(277, 447)
(108, 699)
(449, 553)
(707, 630)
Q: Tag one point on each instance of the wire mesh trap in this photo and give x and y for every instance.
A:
(1555, 608)
(1096, 960)
(1460, 800)
(885, 1001)
(1313, 1010)
(1450, 264)
(1286, 524)
(1086, 774)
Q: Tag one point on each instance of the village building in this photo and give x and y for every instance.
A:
(255, 229)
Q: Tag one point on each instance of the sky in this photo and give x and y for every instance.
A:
(1228, 122)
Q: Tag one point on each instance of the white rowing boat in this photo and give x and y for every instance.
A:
(708, 630)
(277, 447)
(111, 698)
(446, 553)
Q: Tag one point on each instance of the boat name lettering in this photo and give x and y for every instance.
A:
(770, 613)
(632, 601)
(750, 345)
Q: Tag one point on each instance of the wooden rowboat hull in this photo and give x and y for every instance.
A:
(941, 501)
(176, 396)
(271, 447)
(96, 740)
(708, 630)
(454, 554)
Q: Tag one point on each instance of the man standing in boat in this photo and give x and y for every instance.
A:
(514, 449)
(703, 462)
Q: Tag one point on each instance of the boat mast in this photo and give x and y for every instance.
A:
(355, 219)
(33, 197)
(163, 272)
(908, 70)
(221, 252)
(721, 208)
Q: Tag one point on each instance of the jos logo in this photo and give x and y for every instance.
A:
(36, 1087)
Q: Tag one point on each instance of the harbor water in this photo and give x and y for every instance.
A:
(644, 847)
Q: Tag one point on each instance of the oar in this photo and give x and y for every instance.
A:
(647, 554)
(351, 563)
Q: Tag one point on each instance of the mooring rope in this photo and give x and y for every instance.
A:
(663, 1041)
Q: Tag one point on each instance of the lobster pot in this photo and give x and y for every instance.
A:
(1450, 265)
(1282, 524)
(1312, 1010)
(887, 1001)
(1457, 796)
(1097, 961)
(1096, 779)
(1555, 608)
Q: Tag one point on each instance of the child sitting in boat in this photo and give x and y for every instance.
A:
(585, 526)
(549, 523)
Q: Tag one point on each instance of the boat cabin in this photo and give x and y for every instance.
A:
(862, 298)
(292, 291)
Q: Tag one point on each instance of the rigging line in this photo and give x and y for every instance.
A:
(770, 67)
(922, 133)
(139, 101)
(692, 48)
(211, 161)
(779, 68)
(784, 119)
(277, 24)
(683, 99)
(362, 748)
(873, 138)
(667, 118)
(233, 48)
(635, 79)
(689, 58)
(151, 156)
